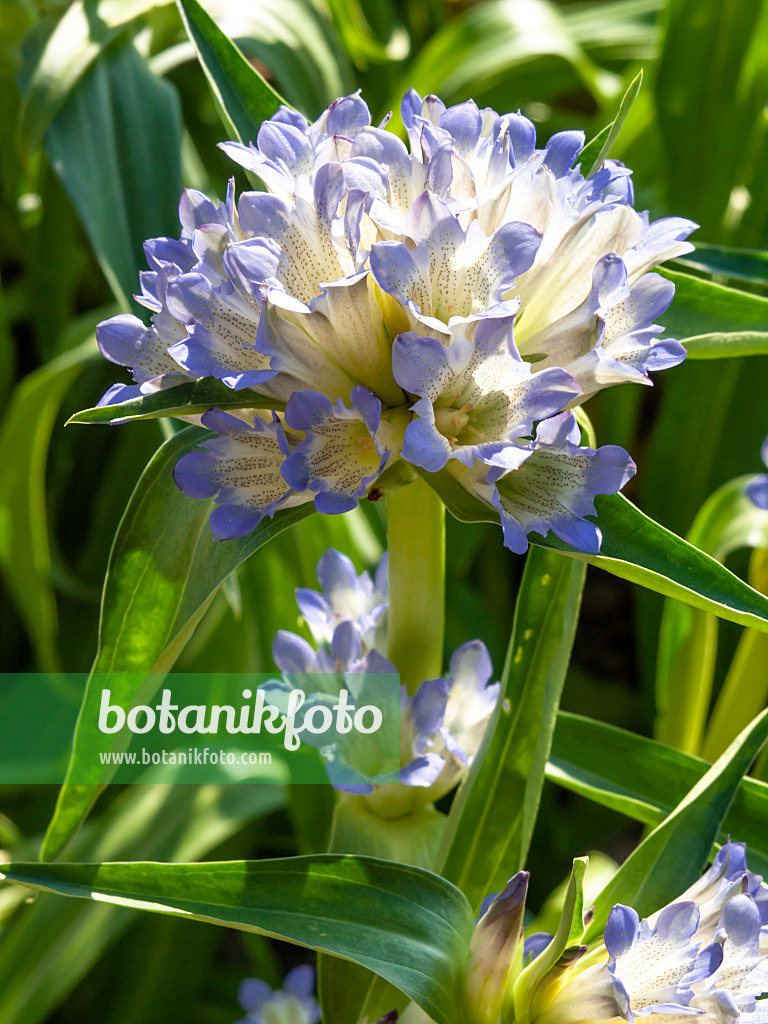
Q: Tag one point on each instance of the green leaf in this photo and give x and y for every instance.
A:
(595, 151)
(637, 549)
(116, 146)
(568, 933)
(379, 43)
(744, 692)
(53, 943)
(405, 924)
(685, 664)
(713, 321)
(25, 556)
(644, 779)
(491, 42)
(494, 812)
(711, 83)
(243, 97)
(346, 992)
(83, 32)
(673, 856)
(295, 40)
(748, 265)
(185, 400)
(164, 569)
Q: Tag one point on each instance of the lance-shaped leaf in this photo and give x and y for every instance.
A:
(644, 779)
(749, 265)
(76, 41)
(596, 150)
(493, 815)
(685, 666)
(164, 570)
(640, 550)
(568, 934)
(25, 559)
(190, 399)
(47, 951)
(714, 321)
(673, 856)
(243, 97)
(116, 146)
(407, 925)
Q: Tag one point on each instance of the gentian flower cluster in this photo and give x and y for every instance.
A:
(702, 957)
(294, 1003)
(447, 304)
(441, 725)
(757, 489)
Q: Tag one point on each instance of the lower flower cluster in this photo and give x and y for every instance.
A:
(441, 724)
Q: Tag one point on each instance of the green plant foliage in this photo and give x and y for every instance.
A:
(645, 780)
(115, 144)
(242, 95)
(73, 44)
(24, 543)
(191, 399)
(409, 926)
(596, 150)
(639, 550)
(494, 812)
(673, 856)
(165, 568)
(711, 84)
(57, 941)
(685, 667)
(716, 322)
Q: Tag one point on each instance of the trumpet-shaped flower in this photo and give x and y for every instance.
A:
(340, 454)
(477, 396)
(242, 469)
(441, 303)
(554, 487)
(444, 722)
(345, 597)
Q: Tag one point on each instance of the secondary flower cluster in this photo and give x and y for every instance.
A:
(703, 956)
(447, 304)
(441, 725)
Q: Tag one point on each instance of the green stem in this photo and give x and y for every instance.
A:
(416, 545)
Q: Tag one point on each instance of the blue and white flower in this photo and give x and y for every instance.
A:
(697, 958)
(294, 1003)
(441, 726)
(440, 304)
(345, 597)
(554, 487)
(476, 395)
(757, 489)
(242, 469)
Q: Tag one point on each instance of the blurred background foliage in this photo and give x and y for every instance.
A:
(104, 116)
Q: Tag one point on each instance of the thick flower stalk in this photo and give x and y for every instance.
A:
(294, 1003)
(441, 725)
(443, 305)
(702, 957)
